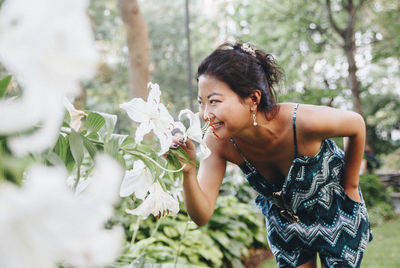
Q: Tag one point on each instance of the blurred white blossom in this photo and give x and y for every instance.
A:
(82, 184)
(152, 115)
(194, 132)
(157, 203)
(43, 223)
(137, 181)
(75, 115)
(49, 47)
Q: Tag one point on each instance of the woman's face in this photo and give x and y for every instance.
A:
(219, 104)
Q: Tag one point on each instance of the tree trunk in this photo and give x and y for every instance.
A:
(349, 47)
(138, 45)
(353, 82)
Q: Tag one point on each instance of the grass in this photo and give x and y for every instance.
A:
(383, 251)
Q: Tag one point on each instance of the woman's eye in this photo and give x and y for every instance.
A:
(213, 101)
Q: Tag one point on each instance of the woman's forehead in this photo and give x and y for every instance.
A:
(210, 85)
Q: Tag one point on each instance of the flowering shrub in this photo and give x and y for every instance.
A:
(63, 171)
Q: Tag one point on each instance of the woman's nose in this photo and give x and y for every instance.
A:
(207, 115)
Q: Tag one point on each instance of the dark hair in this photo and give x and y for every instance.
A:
(244, 69)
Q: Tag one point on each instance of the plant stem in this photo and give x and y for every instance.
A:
(180, 244)
(161, 182)
(135, 230)
(152, 160)
(78, 177)
(156, 227)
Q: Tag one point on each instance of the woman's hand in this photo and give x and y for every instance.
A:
(186, 144)
(353, 194)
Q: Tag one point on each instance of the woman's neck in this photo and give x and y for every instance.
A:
(266, 131)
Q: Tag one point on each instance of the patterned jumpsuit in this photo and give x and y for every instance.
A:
(311, 212)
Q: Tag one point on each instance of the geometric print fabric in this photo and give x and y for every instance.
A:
(311, 212)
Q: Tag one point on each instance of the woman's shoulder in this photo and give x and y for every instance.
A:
(220, 147)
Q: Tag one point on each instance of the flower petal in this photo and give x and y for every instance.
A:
(137, 181)
(194, 131)
(154, 94)
(179, 126)
(165, 137)
(204, 151)
(156, 203)
(142, 130)
(137, 109)
(75, 115)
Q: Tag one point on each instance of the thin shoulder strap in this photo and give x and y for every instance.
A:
(237, 149)
(294, 129)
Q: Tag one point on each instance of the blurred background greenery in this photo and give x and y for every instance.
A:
(298, 34)
(313, 48)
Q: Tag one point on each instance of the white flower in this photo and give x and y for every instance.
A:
(152, 115)
(43, 223)
(49, 47)
(137, 181)
(75, 115)
(82, 184)
(157, 203)
(194, 132)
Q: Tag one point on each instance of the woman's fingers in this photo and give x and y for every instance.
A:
(177, 140)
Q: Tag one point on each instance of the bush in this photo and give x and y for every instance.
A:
(234, 227)
(377, 199)
(380, 212)
(392, 161)
(373, 190)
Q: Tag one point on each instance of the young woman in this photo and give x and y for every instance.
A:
(308, 188)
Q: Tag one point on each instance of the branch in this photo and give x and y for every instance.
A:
(351, 20)
(332, 22)
(360, 4)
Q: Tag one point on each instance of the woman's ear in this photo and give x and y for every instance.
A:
(255, 96)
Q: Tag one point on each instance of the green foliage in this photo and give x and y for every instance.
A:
(380, 213)
(392, 161)
(234, 227)
(377, 198)
(382, 116)
(373, 190)
(11, 168)
(4, 85)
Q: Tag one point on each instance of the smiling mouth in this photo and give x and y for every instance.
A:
(217, 125)
(214, 126)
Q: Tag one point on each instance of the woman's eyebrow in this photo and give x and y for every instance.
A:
(209, 96)
(213, 94)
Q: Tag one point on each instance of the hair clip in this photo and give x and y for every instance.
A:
(249, 49)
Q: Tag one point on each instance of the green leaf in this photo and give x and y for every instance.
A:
(221, 238)
(54, 159)
(108, 128)
(170, 232)
(121, 160)
(180, 152)
(112, 145)
(128, 143)
(173, 163)
(138, 262)
(4, 85)
(90, 147)
(76, 146)
(61, 148)
(138, 247)
(94, 122)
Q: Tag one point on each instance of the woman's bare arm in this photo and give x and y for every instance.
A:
(201, 190)
(324, 122)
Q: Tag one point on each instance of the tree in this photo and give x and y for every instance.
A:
(137, 39)
(347, 34)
